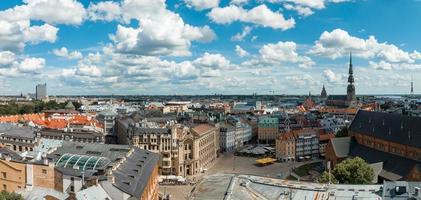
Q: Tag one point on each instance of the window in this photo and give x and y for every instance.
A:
(44, 171)
(4, 175)
(4, 187)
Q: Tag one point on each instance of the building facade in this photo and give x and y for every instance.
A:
(298, 145)
(18, 174)
(227, 137)
(18, 139)
(268, 129)
(285, 147)
(185, 149)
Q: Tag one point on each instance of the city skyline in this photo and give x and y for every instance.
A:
(192, 47)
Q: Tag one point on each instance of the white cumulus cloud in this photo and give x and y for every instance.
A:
(63, 52)
(202, 4)
(240, 51)
(338, 43)
(104, 10)
(260, 15)
(31, 65)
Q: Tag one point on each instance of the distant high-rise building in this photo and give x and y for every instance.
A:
(41, 91)
(412, 85)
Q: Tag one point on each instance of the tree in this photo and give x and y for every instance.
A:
(10, 196)
(325, 178)
(350, 171)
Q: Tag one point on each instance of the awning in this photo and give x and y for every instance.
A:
(264, 161)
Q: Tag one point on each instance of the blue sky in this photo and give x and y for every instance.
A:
(209, 46)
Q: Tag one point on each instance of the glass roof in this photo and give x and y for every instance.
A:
(82, 162)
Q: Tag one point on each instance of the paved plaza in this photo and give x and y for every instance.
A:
(230, 164)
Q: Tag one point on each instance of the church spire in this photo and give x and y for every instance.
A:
(351, 88)
(324, 93)
(351, 71)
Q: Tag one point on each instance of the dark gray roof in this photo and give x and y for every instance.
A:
(162, 119)
(125, 122)
(5, 152)
(341, 146)
(132, 176)
(19, 132)
(391, 163)
(76, 134)
(141, 131)
(391, 127)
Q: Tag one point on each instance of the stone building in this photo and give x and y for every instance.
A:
(185, 149)
(18, 174)
(198, 148)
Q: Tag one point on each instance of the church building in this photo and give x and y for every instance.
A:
(348, 100)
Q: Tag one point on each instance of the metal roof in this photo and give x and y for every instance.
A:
(82, 162)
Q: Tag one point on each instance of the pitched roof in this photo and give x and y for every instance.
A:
(133, 174)
(19, 132)
(5, 152)
(341, 146)
(393, 165)
(396, 128)
(202, 129)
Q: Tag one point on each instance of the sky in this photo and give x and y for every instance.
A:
(158, 47)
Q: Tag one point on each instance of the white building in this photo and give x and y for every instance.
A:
(227, 137)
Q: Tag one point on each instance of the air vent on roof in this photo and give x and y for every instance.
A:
(93, 152)
(136, 170)
(114, 149)
(79, 147)
(131, 176)
(126, 182)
